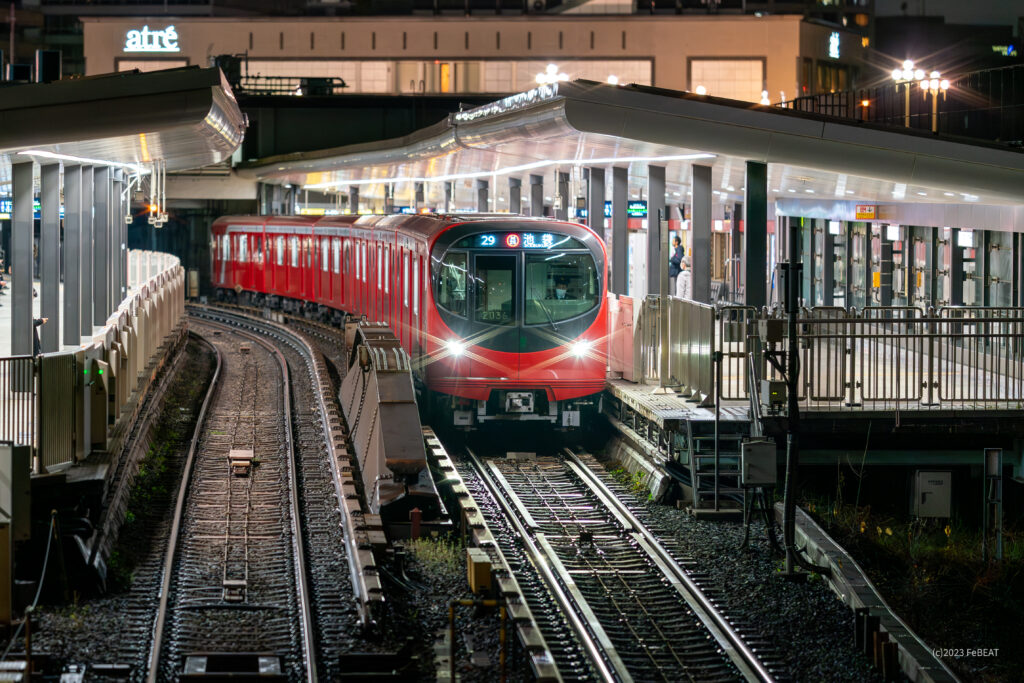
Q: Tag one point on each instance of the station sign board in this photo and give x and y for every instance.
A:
(637, 209)
(145, 40)
(866, 212)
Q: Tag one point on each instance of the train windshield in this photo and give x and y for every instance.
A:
(559, 286)
(517, 285)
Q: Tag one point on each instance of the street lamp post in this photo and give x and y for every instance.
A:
(931, 83)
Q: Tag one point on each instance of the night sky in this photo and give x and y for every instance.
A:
(1004, 12)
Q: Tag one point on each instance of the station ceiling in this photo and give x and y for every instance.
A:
(817, 164)
(187, 118)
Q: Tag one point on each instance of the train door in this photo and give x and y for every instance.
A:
(496, 278)
(323, 293)
(386, 295)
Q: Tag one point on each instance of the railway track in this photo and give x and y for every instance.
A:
(344, 587)
(638, 611)
(235, 576)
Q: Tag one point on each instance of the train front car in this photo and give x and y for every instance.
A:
(519, 322)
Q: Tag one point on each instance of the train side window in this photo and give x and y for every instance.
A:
(258, 256)
(357, 260)
(380, 268)
(405, 280)
(280, 250)
(451, 290)
(362, 257)
(295, 252)
(243, 248)
(226, 248)
(324, 255)
(336, 254)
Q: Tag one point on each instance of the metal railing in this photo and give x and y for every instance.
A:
(45, 402)
(17, 400)
(876, 358)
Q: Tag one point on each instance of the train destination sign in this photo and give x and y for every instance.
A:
(520, 240)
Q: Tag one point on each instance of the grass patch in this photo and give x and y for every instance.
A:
(438, 555)
(929, 570)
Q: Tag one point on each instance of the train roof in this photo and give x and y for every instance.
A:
(424, 226)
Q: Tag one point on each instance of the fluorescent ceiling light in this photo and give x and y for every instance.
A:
(510, 169)
(141, 170)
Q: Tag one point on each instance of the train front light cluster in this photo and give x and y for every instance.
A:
(581, 348)
(455, 347)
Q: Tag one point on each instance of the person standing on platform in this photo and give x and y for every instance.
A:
(36, 346)
(683, 281)
(674, 264)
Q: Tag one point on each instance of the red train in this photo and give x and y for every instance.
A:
(504, 317)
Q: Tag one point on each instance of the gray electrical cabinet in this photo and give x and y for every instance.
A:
(932, 493)
(757, 463)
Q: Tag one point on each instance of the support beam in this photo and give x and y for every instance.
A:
(114, 299)
(536, 195)
(562, 186)
(595, 200)
(389, 199)
(828, 265)
(700, 225)
(733, 271)
(620, 236)
(72, 255)
(21, 258)
(418, 193)
(656, 249)
(88, 218)
(755, 235)
(482, 203)
(353, 198)
(101, 242)
(515, 195)
(956, 269)
(885, 271)
(49, 256)
(447, 196)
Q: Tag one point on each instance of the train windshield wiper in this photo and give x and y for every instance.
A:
(547, 313)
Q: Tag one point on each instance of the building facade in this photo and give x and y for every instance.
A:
(746, 57)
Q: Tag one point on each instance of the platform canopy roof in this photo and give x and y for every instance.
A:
(818, 166)
(185, 117)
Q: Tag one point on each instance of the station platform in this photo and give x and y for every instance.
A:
(5, 320)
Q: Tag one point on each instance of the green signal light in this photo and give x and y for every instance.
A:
(85, 372)
(101, 371)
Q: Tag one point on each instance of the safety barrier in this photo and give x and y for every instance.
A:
(69, 403)
(888, 358)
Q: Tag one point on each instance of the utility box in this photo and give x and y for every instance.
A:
(932, 493)
(478, 567)
(773, 394)
(757, 464)
(772, 330)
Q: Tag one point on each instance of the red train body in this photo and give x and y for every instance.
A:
(504, 317)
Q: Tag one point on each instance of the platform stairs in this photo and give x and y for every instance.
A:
(715, 473)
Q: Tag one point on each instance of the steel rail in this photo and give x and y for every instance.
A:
(603, 656)
(362, 571)
(172, 543)
(730, 641)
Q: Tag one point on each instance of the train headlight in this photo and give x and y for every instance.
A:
(455, 347)
(581, 348)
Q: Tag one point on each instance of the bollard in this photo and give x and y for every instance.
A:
(415, 515)
(859, 615)
(879, 642)
(891, 661)
(871, 626)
